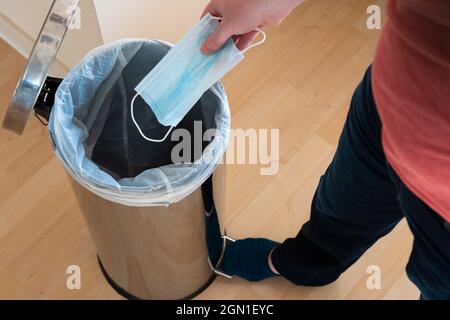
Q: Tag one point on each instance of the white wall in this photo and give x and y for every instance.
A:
(102, 21)
(159, 19)
(79, 42)
(21, 21)
(27, 14)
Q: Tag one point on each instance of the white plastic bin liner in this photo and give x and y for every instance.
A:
(77, 121)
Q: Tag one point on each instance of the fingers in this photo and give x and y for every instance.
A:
(218, 38)
(209, 9)
(246, 39)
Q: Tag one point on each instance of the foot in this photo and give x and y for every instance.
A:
(249, 259)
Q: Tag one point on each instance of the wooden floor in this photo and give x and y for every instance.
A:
(300, 81)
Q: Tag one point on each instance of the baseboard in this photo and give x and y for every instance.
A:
(23, 44)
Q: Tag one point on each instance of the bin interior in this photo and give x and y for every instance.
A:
(114, 142)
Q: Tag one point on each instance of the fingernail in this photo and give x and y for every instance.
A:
(205, 49)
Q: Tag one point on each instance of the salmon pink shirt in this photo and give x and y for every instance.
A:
(411, 85)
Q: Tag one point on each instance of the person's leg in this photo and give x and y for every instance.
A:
(354, 205)
(429, 264)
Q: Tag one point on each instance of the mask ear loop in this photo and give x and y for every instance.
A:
(139, 128)
(260, 42)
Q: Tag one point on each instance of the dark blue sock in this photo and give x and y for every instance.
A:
(248, 259)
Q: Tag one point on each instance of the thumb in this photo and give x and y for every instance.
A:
(217, 39)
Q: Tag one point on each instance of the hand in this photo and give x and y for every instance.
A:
(242, 17)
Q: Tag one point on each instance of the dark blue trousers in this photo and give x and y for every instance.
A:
(359, 200)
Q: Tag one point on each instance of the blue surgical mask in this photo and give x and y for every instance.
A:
(179, 80)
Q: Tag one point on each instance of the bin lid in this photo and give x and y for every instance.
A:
(41, 59)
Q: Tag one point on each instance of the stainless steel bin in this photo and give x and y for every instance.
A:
(149, 252)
